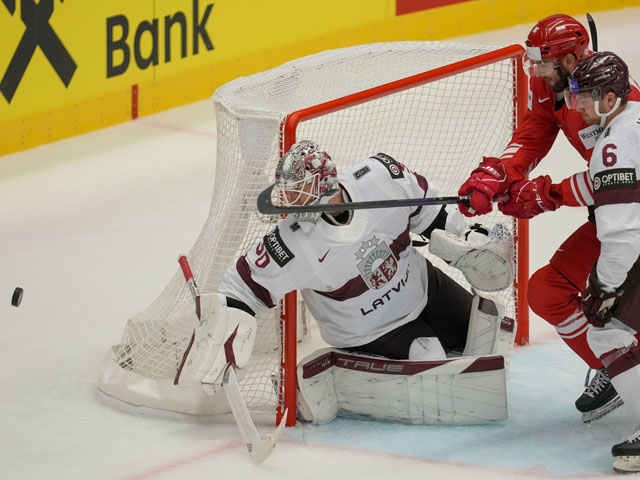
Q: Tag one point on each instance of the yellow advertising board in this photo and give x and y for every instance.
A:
(70, 66)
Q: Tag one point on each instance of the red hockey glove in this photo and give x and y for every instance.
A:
(528, 198)
(485, 182)
(596, 303)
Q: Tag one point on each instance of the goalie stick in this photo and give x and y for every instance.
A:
(259, 449)
(267, 207)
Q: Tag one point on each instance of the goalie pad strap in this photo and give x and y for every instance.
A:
(462, 391)
(490, 332)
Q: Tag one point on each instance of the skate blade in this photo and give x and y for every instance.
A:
(627, 464)
(606, 409)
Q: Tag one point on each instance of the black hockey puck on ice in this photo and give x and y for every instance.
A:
(17, 297)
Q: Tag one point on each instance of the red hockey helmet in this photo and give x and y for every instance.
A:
(554, 37)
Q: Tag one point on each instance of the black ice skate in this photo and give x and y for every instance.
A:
(599, 397)
(626, 455)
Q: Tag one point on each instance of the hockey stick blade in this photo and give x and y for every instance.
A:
(258, 448)
(266, 206)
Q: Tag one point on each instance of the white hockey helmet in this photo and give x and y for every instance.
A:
(305, 175)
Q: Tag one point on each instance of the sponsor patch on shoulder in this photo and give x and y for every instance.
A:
(358, 174)
(589, 135)
(390, 164)
(276, 248)
(615, 178)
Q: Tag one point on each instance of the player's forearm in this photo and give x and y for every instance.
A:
(576, 190)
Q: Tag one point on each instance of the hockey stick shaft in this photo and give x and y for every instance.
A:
(195, 292)
(191, 281)
(266, 206)
(594, 32)
(258, 449)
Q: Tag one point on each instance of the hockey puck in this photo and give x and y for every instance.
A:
(17, 297)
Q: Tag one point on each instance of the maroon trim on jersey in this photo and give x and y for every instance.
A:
(620, 195)
(261, 293)
(392, 367)
(617, 364)
(425, 187)
(357, 286)
(400, 243)
(353, 288)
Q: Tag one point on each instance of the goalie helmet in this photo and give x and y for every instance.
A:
(305, 175)
(551, 39)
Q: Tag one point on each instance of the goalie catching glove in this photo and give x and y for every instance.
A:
(224, 336)
(484, 258)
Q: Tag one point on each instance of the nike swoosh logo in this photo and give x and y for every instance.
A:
(542, 100)
(321, 259)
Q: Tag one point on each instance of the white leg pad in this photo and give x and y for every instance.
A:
(317, 400)
(461, 391)
(490, 332)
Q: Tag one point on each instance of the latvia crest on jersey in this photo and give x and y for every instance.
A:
(377, 264)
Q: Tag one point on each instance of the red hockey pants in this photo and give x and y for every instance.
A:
(554, 290)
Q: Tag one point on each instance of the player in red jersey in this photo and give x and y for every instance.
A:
(554, 47)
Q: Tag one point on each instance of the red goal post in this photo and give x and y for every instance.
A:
(289, 137)
(437, 107)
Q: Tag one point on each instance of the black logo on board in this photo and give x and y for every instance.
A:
(38, 33)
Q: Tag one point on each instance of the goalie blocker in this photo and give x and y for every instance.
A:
(225, 335)
(459, 391)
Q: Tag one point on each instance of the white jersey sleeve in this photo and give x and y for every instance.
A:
(414, 185)
(262, 276)
(615, 169)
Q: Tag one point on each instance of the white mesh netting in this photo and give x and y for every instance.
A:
(440, 129)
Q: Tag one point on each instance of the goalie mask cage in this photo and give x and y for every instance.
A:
(437, 107)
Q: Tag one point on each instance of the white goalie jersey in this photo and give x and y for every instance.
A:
(359, 280)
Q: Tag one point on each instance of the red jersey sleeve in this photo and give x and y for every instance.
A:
(534, 137)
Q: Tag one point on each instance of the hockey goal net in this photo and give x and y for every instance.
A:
(435, 106)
